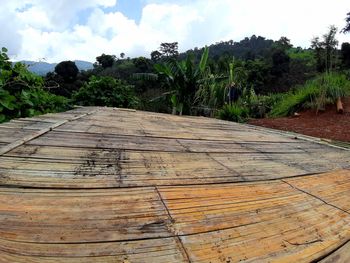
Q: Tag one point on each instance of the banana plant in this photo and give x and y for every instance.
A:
(183, 78)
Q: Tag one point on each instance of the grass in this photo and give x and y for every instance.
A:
(233, 112)
(315, 94)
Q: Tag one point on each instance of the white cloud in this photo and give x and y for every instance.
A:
(52, 29)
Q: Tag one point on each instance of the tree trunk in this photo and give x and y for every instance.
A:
(340, 108)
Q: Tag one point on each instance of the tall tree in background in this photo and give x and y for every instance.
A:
(316, 45)
(169, 49)
(325, 50)
(345, 54)
(346, 29)
(330, 45)
(283, 43)
(280, 58)
(156, 55)
(67, 70)
(106, 61)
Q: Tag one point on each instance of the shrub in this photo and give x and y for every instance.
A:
(22, 93)
(106, 91)
(233, 112)
(260, 105)
(316, 94)
(296, 100)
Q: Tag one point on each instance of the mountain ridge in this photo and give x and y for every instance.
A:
(42, 68)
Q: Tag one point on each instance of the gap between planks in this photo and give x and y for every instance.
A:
(14, 186)
(178, 239)
(314, 196)
(39, 133)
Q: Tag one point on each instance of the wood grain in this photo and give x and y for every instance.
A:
(114, 185)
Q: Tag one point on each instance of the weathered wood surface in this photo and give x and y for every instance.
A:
(341, 255)
(113, 185)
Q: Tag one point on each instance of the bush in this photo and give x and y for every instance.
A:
(233, 112)
(259, 105)
(106, 91)
(315, 94)
(22, 93)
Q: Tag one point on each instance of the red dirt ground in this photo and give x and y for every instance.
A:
(327, 125)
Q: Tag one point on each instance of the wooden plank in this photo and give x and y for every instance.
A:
(57, 216)
(70, 139)
(68, 167)
(147, 187)
(38, 131)
(257, 166)
(268, 221)
(140, 251)
(333, 187)
(341, 255)
(108, 168)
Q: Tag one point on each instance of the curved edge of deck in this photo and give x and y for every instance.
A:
(109, 185)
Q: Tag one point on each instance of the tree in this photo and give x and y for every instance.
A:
(182, 78)
(122, 55)
(156, 55)
(105, 61)
(22, 92)
(5, 63)
(345, 54)
(106, 91)
(67, 70)
(258, 72)
(330, 44)
(283, 43)
(325, 50)
(346, 29)
(169, 49)
(142, 64)
(280, 63)
(316, 44)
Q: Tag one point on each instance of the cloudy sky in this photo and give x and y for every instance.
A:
(56, 30)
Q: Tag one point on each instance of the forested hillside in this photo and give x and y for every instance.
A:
(232, 80)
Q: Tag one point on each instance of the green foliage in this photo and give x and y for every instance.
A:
(326, 50)
(295, 101)
(249, 48)
(304, 55)
(182, 78)
(314, 94)
(210, 95)
(346, 29)
(258, 74)
(233, 112)
(259, 106)
(169, 49)
(22, 93)
(106, 91)
(345, 55)
(105, 61)
(67, 70)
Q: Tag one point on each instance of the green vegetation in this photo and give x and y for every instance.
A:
(253, 78)
(314, 94)
(233, 112)
(22, 93)
(106, 91)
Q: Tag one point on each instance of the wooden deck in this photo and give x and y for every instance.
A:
(113, 185)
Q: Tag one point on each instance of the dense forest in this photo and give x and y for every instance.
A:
(253, 78)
